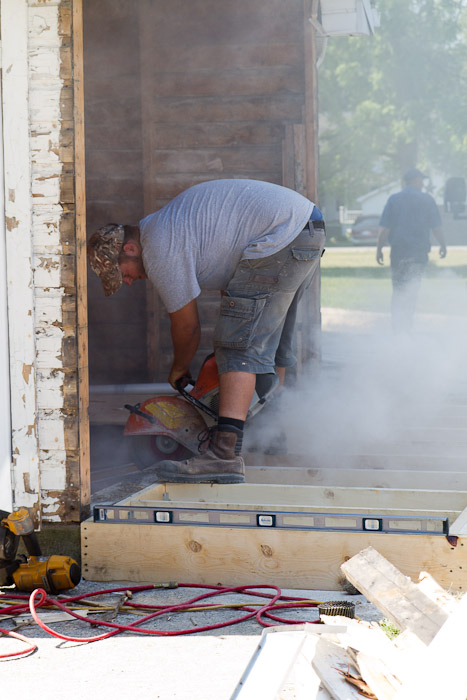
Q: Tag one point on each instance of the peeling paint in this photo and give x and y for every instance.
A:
(49, 264)
(47, 177)
(40, 192)
(27, 483)
(26, 372)
(11, 223)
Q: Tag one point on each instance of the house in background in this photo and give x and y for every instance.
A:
(109, 109)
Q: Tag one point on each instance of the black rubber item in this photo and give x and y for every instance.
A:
(75, 574)
(337, 607)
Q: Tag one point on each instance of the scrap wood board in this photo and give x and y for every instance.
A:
(291, 557)
(349, 658)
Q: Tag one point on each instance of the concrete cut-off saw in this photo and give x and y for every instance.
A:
(170, 426)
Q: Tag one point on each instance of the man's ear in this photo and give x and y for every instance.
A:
(131, 248)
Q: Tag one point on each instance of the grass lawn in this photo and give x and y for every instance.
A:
(352, 279)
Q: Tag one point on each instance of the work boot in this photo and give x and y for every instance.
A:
(220, 464)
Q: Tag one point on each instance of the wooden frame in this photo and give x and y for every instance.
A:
(291, 558)
(81, 260)
(19, 254)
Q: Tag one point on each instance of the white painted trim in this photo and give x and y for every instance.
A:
(19, 252)
(5, 407)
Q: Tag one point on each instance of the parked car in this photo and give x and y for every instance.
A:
(365, 230)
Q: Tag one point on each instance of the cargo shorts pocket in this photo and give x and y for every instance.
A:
(237, 321)
(306, 254)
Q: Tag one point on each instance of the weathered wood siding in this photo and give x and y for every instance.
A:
(178, 93)
(114, 180)
(49, 442)
(221, 84)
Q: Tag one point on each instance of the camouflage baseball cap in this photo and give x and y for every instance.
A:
(103, 249)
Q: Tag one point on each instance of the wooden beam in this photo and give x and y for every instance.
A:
(81, 262)
(287, 558)
(402, 601)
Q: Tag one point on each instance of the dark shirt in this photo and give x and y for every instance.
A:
(410, 215)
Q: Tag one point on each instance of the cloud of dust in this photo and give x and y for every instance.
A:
(373, 388)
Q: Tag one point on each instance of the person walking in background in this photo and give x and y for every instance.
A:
(407, 220)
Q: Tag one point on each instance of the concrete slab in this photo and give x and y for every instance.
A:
(199, 666)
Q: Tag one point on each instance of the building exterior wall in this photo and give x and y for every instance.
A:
(47, 359)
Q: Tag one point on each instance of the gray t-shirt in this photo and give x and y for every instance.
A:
(196, 241)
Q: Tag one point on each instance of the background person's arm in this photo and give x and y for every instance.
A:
(439, 235)
(186, 332)
(382, 240)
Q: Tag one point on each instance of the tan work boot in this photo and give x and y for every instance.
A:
(219, 464)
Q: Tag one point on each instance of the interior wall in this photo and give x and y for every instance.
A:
(114, 180)
(179, 93)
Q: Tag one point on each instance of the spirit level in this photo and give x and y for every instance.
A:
(278, 519)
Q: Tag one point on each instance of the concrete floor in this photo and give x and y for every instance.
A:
(199, 666)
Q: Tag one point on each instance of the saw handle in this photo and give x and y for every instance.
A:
(198, 404)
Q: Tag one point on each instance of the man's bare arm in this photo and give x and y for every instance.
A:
(439, 235)
(382, 240)
(185, 331)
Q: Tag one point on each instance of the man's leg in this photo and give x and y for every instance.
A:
(247, 335)
(406, 278)
(236, 391)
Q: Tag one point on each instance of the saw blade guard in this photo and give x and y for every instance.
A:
(166, 415)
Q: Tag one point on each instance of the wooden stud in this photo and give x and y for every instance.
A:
(81, 262)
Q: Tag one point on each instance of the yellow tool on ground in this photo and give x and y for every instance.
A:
(53, 573)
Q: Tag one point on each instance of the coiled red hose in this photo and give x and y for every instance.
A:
(32, 647)
(39, 598)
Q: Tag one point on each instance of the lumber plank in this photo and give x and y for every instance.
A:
(81, 261)
(441, 672)
(287, 558)
(328, 658)
(459, 526)
(376, 673)
(370, 478)
(282, 656)
(343, 497)
(395, 594)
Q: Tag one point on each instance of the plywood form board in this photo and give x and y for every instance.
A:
(309, 496)
(290, 559)
(43, 315)
(368, 478)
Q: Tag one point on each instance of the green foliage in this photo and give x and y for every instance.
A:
(390, 628)
(396, 99)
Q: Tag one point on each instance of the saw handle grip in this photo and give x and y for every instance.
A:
(182, 382)
(182, 391)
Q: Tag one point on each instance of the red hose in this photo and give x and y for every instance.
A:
(40, 599)
(32, 647)
(117, 628)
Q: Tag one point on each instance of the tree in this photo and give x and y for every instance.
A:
(396, 99)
